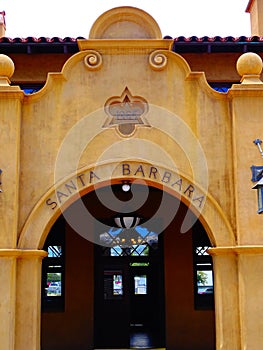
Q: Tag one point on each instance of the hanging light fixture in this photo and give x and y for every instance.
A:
(128, 235)
(259, 188)
(127, 222)
(257, 175)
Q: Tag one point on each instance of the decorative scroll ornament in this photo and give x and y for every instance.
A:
(157, 60)
(125, 112)
(93, 60)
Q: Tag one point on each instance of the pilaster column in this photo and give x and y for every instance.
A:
(250, 276)
(238, 297)
(226, 298)
(28, 300)
(11, 98)
(7, 298)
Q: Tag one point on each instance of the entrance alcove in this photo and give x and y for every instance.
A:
(88, 313)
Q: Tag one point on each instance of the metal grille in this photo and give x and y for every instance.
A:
(201, 250)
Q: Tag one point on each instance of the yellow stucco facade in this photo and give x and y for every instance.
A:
(171, 131)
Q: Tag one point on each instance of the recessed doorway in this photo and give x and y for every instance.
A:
(129, 294)
(151, 293)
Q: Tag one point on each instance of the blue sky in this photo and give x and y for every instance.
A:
(62, 18)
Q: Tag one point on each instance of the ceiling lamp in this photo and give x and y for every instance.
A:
(127, 221)
(128, 236)
(126, 185)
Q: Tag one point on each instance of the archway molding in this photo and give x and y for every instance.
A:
(70, 189)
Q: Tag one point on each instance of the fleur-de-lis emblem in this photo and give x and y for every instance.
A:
(125, 112)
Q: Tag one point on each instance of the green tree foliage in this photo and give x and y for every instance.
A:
(53, 277)
(202, 277)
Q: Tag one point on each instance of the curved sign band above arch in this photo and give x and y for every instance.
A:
(69, 190)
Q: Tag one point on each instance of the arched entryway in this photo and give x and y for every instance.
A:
(47, 211)
(97, 303)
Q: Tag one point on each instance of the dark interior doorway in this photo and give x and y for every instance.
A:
(129, 296)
